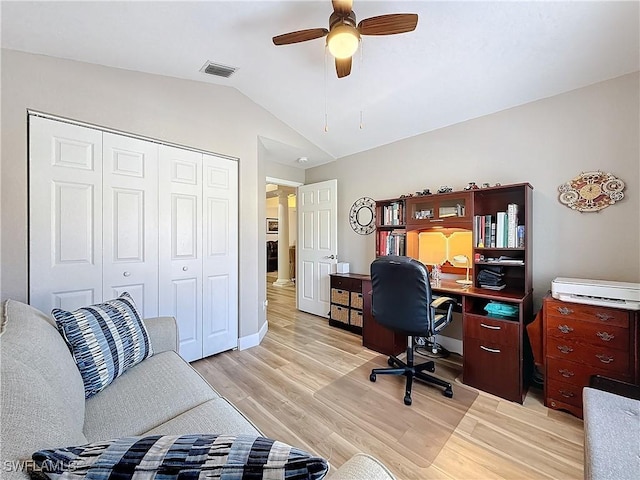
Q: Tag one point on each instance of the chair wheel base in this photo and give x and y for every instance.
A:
(372, 377)
(448, 393)
(390, 362)
(407, 400)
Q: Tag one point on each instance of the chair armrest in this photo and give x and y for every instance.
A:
(163, 333)
(440, 301)
(618, 387)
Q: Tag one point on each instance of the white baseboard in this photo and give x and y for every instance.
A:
(253, 339)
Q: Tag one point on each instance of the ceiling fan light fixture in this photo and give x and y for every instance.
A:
(343, 41)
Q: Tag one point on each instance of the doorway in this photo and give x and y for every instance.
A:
(280, 234)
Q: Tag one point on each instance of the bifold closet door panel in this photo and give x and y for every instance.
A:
(65, 215)
(180, 245)
(220, 256)
(130, 215)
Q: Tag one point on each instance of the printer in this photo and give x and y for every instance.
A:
(603, 293)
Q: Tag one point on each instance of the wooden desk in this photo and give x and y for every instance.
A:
(496, 359)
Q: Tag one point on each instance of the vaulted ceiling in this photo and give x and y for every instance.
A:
(464, 60)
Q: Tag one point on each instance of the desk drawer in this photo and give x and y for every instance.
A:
(493, 368)
(589, 313)
(602, 334)
(500, 332)
(352, 284)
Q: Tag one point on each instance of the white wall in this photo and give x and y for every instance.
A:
(545, 143)
(206, 116)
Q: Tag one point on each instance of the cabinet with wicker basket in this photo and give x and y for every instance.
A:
(348, 300)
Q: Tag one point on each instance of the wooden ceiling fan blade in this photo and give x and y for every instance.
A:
(343, 66)
(342, 6)
(299, 36)
(388, 24)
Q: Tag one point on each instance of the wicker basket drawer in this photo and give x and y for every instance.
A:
(356, 300)
(340, 314)
(355, 318)
(340, 296)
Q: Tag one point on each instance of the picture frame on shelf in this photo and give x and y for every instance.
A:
(272, 225)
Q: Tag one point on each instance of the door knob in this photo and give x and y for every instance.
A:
(126, 274)
(332, 257)
(185, 268)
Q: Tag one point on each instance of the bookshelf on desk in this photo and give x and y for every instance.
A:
(496, 357)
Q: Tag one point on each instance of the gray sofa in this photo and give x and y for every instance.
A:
(44, 406)
(611, 430)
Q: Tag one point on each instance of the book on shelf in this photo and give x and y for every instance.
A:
(392, 243)
(501, 221)
(512, 225)
(393, 214)
(520, 236)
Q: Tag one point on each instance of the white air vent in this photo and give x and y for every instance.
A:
(218, 70)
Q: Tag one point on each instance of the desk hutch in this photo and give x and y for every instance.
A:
(496, 357)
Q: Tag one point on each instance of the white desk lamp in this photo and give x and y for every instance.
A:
(463, 259)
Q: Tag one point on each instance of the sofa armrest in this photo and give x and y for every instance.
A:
(163, 333)
(611, 432)
(362, 466)
(618, 387)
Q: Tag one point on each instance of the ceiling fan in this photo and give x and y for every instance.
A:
(343, 35)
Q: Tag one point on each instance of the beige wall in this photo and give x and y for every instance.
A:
(545, 143)
(210, 117)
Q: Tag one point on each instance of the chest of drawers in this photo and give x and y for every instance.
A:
(584, 340)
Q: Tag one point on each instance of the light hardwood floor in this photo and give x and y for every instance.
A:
(276, 383)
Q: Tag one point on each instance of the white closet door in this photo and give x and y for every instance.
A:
(180, 245)
(130, 235)
(65, 215)
(220, 259)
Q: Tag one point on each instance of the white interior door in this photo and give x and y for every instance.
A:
(65, 215)
(317, 245)
(130, 213)
(180, 245)
(220, 256)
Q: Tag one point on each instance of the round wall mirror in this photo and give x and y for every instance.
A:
(362, 216)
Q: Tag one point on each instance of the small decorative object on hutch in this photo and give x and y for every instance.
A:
(362, 216)
(591, 191)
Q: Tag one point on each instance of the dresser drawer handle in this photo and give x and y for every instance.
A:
(565, 348)
(565, 311)
(565, 328)
(605, 317)
(567, 394)
(566, 373)
(490, 350)
(604, 358)
(605, 336)
(490, 327)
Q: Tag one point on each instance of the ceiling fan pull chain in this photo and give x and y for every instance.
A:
(326, 69)
(361, 75)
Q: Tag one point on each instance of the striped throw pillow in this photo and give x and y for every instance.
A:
(210, 456)
(104, 339)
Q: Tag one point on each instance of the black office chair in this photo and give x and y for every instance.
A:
(402, 302)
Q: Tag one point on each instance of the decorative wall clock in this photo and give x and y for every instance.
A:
(591, 191)
(362, 216)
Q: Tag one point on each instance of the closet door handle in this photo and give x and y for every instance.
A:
(126, 274)
(185, 268)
